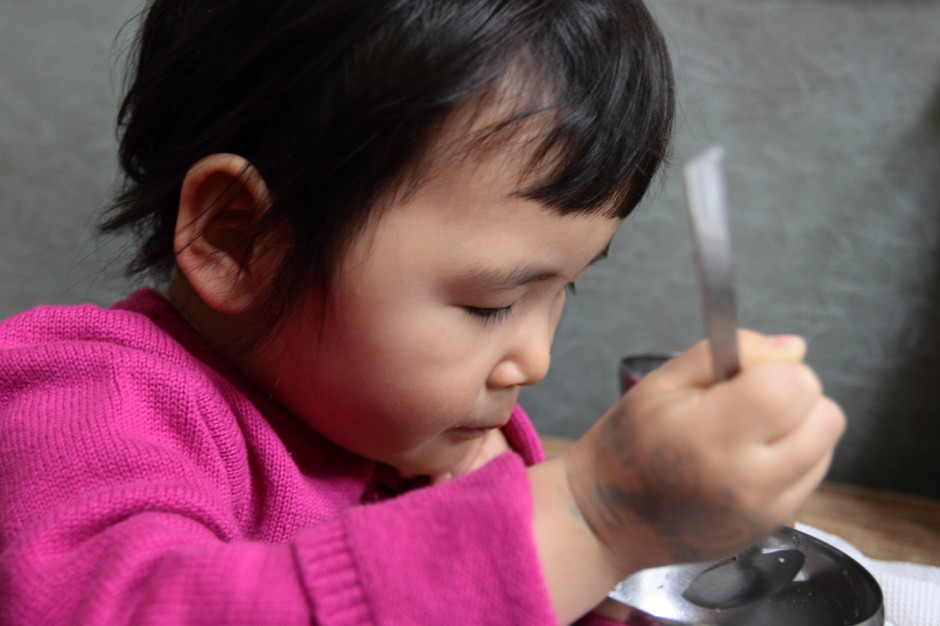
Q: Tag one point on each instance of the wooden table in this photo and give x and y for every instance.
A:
(881, 524)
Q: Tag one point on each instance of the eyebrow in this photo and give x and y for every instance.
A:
(498, 280)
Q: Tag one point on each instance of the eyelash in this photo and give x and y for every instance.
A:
(490, 315)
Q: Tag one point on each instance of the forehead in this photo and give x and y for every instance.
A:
(466, 197)
(509, 122)
(515, 117)
(467, 217)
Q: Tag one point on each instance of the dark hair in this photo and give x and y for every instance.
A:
(335, 102)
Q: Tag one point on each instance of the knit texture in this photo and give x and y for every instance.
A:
(144, 481)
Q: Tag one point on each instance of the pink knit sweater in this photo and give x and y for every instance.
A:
(143, 480)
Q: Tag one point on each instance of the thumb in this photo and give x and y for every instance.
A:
(693, 368)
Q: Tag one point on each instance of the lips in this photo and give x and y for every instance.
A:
(472, 432)
(473, 428)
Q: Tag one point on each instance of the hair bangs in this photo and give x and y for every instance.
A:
(592, 108)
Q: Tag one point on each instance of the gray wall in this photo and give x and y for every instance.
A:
(59, 86)
(830, 114)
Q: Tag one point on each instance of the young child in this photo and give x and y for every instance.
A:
(369, 212)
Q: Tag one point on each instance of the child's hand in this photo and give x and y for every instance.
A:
(490, 446)
(684, 470)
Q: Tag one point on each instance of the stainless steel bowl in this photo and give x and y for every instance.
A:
(830, 589)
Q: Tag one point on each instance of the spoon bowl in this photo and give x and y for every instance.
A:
(829, 589)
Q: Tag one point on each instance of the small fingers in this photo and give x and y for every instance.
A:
(791, 500)
(762, 404)
(792, 467)
(756, 348)
(789, 473)
(768, 400)
(693, 368)
(813, 439)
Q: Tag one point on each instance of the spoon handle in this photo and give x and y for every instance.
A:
(708, 210)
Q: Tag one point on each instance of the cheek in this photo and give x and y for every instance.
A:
(434, 345)
(384, 422)
(395, 373)
(400, 385)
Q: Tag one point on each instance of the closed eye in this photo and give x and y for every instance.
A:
(489, 314)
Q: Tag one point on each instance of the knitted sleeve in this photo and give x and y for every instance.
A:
(125, 499)
(453, 554)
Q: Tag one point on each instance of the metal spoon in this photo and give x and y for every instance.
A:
(752, 574)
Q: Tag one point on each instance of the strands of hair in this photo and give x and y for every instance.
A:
(337, 102)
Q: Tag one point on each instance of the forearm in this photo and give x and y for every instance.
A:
(148, 568)
(577, 570)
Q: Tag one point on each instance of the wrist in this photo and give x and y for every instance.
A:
(611, 499)
(576, 566)
(586, 492)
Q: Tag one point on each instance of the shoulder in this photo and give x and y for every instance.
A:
(131, 365)
(133, 325)
(143, 329)
(91, 398)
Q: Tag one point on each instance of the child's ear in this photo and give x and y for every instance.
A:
(222, 200)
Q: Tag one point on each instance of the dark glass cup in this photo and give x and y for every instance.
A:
(633, 367)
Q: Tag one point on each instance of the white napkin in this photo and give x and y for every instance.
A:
(911, 591)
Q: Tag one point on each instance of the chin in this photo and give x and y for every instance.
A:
(451, 457)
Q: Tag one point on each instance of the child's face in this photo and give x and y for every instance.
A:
(440, 314)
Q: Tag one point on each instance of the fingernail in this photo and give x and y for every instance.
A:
(785, 342)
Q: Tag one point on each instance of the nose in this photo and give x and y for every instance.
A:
(527, 360)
